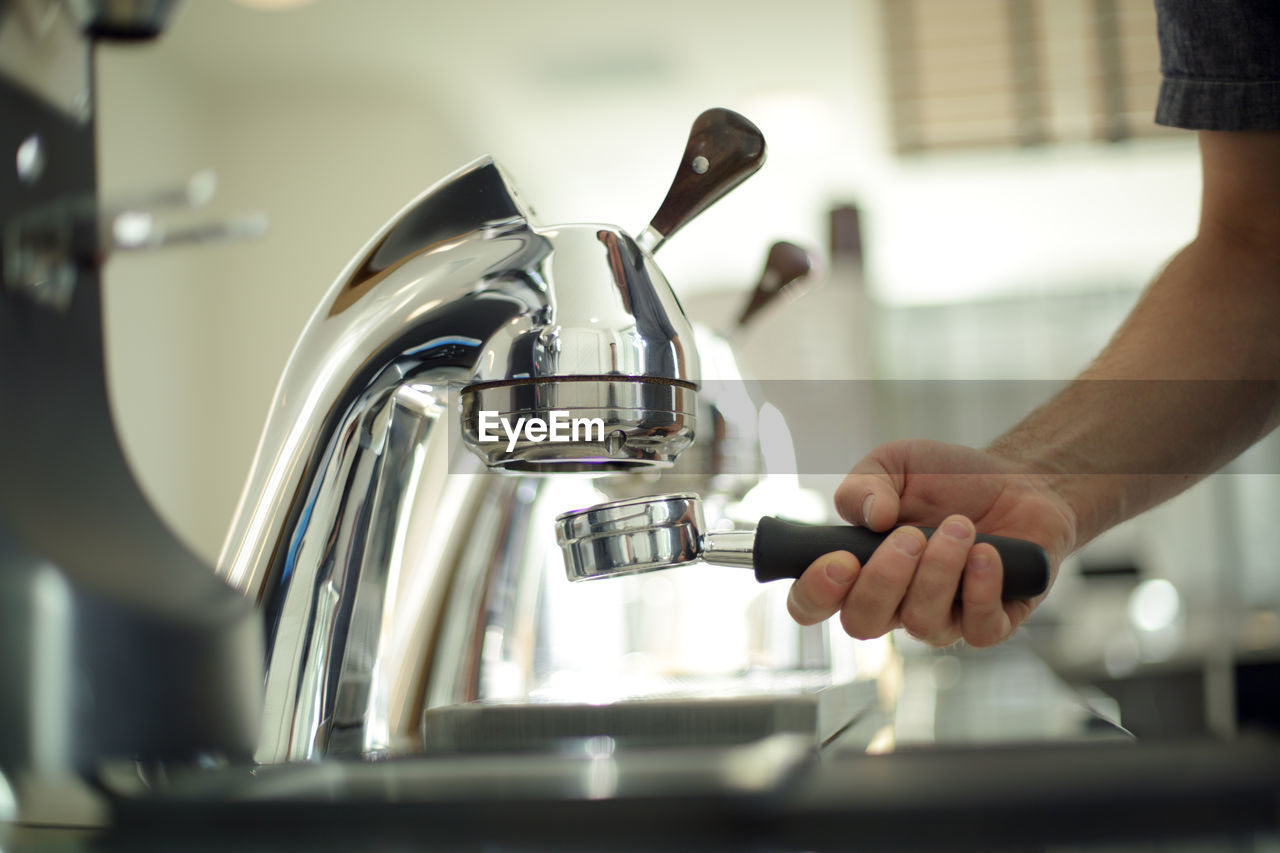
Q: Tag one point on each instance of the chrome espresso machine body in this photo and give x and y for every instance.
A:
(369, 529)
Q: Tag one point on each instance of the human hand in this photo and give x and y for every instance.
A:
(911, 581)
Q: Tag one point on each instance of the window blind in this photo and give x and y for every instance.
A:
(970, 73)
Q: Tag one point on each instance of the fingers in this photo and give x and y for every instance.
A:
(821, 589)
(984, 618)
(871, 607)
(913, 582)
(909, 581)
(928, 609)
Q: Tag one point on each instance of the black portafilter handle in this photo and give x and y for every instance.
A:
(784, 549)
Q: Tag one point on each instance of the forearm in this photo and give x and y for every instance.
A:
(1191, 379)
(1186, 384)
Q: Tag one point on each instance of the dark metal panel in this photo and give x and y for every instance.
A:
(170, 655)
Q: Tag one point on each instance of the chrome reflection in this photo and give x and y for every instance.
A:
(355, 527)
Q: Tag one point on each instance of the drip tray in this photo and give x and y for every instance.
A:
(648, 722)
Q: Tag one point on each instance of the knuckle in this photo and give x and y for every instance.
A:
(983, 638)
(896, 450)
(883, 592)
(937, 639)
(856, 626)
(938, 578)
(845, 491)
(918, 622)
(802, 610)
(848, 496)
(880, 579)
(837, 571)
(978, 600)
(798, 614)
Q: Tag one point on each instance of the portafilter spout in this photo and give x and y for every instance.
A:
(637, 535)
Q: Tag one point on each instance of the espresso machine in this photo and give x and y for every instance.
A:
(387, 651)
(393, 538)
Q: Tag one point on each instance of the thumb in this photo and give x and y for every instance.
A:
(869, 494)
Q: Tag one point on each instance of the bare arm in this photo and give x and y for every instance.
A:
(1188, 382)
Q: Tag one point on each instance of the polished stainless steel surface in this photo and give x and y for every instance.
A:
(375, 542)
(458, 281)
(30, 159)
(578, 769)
(630, 536)
(603, 337)
(138, 222)
(977, 749)
(42, 50)
(45, 246)
(535, 638)
(729, 548)
(8, 810)
(593, 423)
(636, 535)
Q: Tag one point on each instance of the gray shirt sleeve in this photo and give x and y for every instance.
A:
(1220, 60)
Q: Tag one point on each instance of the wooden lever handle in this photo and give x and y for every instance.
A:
(724, 149)
(785, 264)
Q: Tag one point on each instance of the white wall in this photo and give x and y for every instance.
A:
(965, 226)
(152, 133)
(198, 337)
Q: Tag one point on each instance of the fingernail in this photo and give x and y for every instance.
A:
(979, 562)
(956, 529)
(793, 607)
(908, 541)
(838, 572)
(868, 504)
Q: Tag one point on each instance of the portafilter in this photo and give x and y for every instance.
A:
(635, 535)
